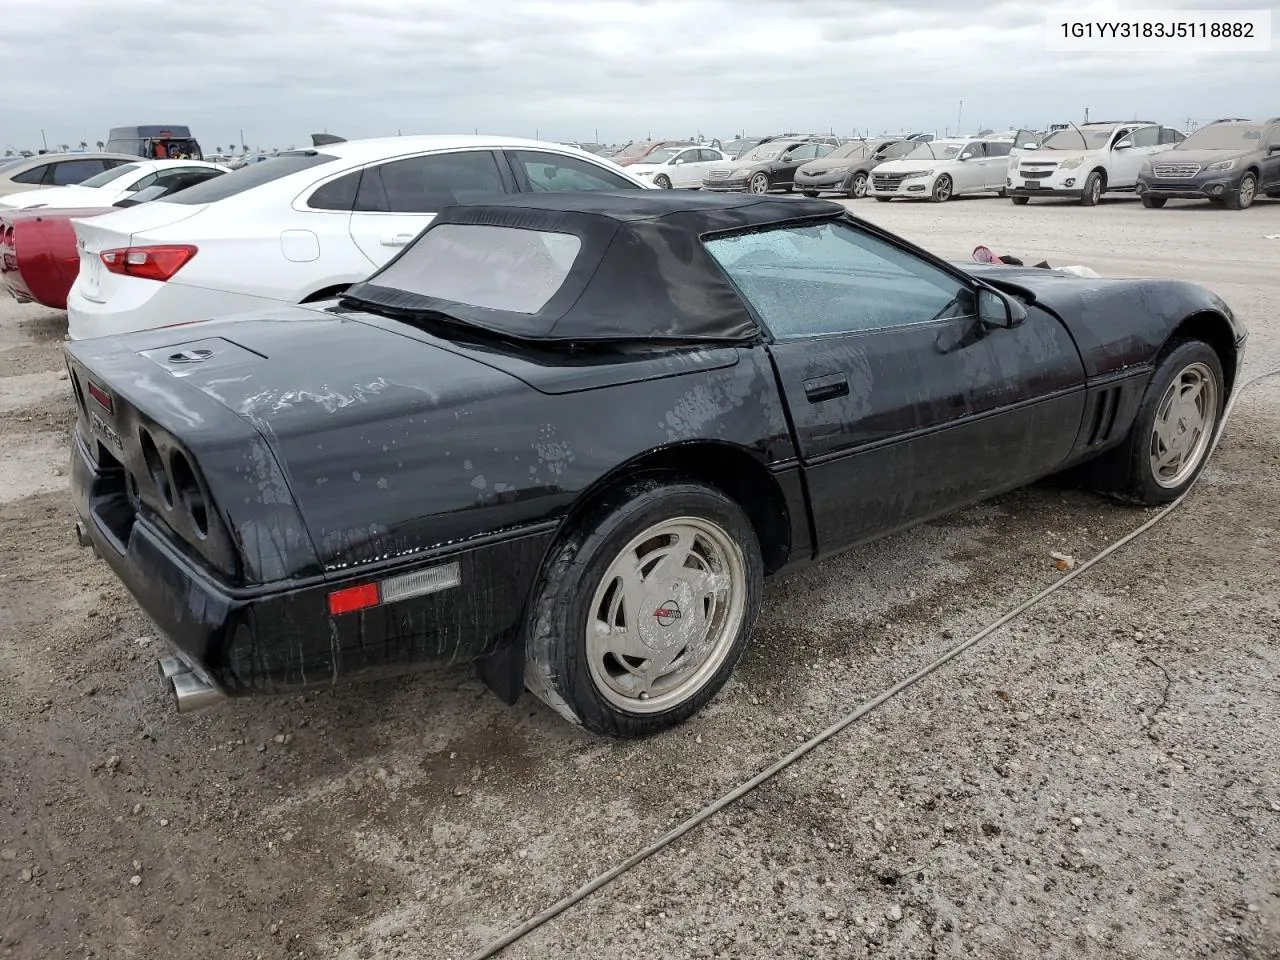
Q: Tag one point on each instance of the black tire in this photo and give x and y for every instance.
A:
(663, 181)
(1020, 201)
(1153, 203)
(1125, 472)
(811, 193)
(884, 199)
(942, 189)
(858, 186)
(1242, 197)
(1093, 186)
(556, 660)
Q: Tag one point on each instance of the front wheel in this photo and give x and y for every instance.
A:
(663, 181)
(1173, 431)
(811, 193)
(858, 186)
(759, 183)
(1092, 190)
(1242, 197)
(1153, 203)
(942, 188)
(1020, 201)
(645, 608)
(884, 199)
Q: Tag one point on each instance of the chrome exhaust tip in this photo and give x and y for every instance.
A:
(190, 691)
(83, 539)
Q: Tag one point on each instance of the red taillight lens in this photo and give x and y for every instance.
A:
(353, 598)
(148, 263)
(102, 397)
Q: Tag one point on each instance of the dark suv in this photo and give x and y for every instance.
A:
(1228, 162)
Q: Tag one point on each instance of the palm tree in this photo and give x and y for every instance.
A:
(84, 144)
(64, 147)
(101, 144)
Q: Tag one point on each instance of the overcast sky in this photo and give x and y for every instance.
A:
(565, 69)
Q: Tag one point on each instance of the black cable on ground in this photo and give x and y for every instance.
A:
(707, 812)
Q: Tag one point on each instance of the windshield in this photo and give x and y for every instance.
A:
(250, 176)
(663, 154)
(633, 149)
(854, 148)
(1092, 138)
(896, 151)
(1225, 136)
(108, 175)
(936, 150)
(766, 151)
(734, 148)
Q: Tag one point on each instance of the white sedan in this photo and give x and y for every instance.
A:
(300, 228)
(682, 167)
(941, 169)
(109, 186)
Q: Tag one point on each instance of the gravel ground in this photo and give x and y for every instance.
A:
(1099, 778)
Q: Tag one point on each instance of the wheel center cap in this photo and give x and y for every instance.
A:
(665, 620)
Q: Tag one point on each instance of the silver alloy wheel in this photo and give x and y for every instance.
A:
(942, 189)
(859, 186)
(1184, 423)
(760, 183)
(1247, 191)
(663, 181)
(1095, 189)
(666, 614)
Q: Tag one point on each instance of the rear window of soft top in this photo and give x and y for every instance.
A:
(254, 175)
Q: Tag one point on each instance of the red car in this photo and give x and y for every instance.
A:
(38, 256)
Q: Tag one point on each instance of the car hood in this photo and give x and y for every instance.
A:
(1054, 156)
(1202, 157)
(906, 166)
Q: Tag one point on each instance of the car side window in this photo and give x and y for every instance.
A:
(998, 148)
(339, 194)
(1146, 137)
(833, 278)
(1169, 135)
(973, 150)
(149, 180)
(34, 176)
(708, 156)
(70, 172)
(430, 183)
(806, 151)
(551, 172)
(689, 156)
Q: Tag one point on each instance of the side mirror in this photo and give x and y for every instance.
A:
(678, 161)
(1274, 148)
(965, 156)
(1123, 145)
(997, 310)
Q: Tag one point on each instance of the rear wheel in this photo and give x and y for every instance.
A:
(645, 608)
(942, 188)
(811, 193)
(1154, 203)
(759, 183)
(1242, 197)
(1173, 431)
(1092, 189)
(858, 186)
(1020, 201)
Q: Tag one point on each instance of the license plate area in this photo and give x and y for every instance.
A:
(92, 269)
(1032, 184)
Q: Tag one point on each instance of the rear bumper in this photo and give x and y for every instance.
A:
(279, 637)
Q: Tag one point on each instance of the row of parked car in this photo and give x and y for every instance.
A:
(1231, 162)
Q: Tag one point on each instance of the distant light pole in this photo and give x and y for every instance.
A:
(959, 114)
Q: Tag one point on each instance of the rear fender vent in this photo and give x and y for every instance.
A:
(1106, 405)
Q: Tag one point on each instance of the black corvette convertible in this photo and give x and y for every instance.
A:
(567, 436)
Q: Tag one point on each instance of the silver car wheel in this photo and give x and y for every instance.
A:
(859, 189)
(666, 614)
(1183, 427)
(760, 183)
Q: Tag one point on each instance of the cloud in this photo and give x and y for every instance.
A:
(279, 71)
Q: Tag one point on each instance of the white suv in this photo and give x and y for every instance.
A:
(1088, 160)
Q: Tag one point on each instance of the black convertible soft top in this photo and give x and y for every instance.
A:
(641, 272)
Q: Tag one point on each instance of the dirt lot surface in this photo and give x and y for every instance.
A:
(1099, 778)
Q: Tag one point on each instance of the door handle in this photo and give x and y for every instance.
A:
(826, 388)
(399, 240)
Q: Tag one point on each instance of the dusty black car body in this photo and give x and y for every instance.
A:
(845, 170)
(237, 475)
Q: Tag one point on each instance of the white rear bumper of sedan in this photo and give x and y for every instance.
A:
(137, 304)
